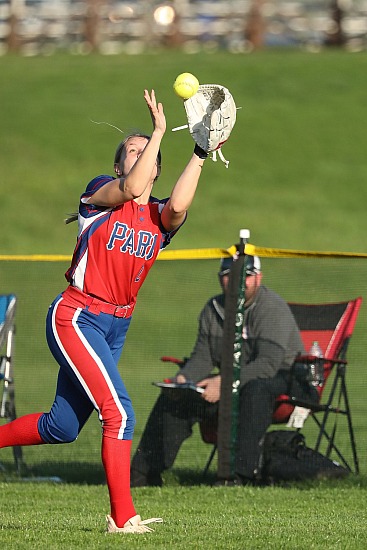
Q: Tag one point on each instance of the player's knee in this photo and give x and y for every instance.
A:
(115, 424)
(53, 434)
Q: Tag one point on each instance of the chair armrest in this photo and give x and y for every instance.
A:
(312, 358)
(314, 407)
(169, 359)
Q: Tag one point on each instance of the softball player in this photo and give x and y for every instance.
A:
(122, 228)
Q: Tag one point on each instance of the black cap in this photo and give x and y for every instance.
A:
(253, 265)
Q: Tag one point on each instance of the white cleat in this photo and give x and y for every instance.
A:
(133, 525)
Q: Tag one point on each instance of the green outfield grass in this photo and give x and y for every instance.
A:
(297, 154)
(296, 179)
(325, 516)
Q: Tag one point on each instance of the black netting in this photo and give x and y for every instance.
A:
(164, 323)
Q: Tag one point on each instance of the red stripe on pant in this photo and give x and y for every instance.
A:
(90, 372)
(89, 369)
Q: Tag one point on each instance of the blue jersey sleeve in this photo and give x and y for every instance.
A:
(166, 235)
(86, 209)
(95, 184)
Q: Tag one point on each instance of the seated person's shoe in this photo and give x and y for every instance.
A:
(138, 479)
(236, 481)
(133, 525)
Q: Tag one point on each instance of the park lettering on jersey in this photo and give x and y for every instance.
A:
(140, 244)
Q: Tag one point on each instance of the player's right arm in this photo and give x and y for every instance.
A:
(140, 165)
(138, 182)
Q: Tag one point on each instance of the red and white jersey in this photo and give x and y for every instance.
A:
(116, 247)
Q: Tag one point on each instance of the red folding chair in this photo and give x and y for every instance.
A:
(332, 325)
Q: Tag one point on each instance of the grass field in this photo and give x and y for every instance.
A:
(296, 179)
(297, 153)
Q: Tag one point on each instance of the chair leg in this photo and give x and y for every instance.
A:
(350, 427)
(8, 401)
(326, 413)
(10, 414)
(340, 378)
(210, 460)
(331, 443)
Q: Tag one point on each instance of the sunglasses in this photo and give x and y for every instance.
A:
(224, 273)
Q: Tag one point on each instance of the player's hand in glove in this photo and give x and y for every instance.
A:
(211, 116)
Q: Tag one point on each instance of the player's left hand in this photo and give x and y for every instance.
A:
(156, 112)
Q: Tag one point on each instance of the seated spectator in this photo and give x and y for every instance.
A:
(271, 342)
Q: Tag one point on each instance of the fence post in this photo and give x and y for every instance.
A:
(231, 363)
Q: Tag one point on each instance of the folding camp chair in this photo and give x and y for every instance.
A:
(332, 325)
(7, 398)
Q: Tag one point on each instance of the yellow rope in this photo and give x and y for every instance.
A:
(201, 254)
(282, 253)
(194, 254)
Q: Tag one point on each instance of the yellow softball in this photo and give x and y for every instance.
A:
(186, 85)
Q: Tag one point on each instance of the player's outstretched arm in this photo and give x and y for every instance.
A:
(139, 172)
(141, 176)
(182, 194)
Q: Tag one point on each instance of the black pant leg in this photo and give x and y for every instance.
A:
(257, 400)
(169, 425)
